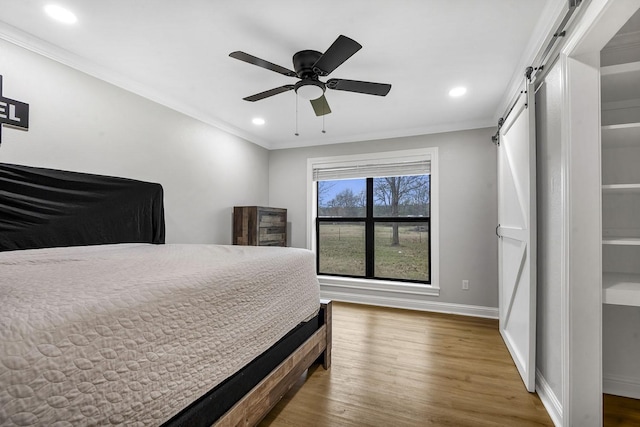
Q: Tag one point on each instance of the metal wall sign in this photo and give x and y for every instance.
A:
(13, 113)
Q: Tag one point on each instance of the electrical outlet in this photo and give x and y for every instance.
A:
(465, 285)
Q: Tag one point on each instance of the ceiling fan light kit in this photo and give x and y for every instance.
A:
(310, 89)
(309, 66)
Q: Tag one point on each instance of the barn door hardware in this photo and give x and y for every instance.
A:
(496, 138)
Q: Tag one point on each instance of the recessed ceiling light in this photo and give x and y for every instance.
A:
(458, 91)
(258, 121)
(60, 14)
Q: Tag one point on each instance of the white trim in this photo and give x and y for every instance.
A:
(581, 341)
(621, 386)
(549, 399)
(565, 212)
(312, 209)
(430, 153)
(384, 286)
(581, 287)
(398, 301)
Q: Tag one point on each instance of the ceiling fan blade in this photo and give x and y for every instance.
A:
(268, 93)
(320, 106)
(341, 50)
(262, 63)
(370, 88)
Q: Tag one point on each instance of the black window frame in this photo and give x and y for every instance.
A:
(370, 221)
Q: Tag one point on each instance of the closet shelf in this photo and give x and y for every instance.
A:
(621, 134)
(620, 82)
(624, 241)
(628, 67)
(621, 289)
(621, 126)
(621, 188)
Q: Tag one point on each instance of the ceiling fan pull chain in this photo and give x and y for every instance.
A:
(323, 115)
(296, 115)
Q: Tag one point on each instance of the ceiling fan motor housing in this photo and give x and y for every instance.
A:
(303, 63)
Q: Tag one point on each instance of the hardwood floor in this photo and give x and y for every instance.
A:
(407, 368)
(404, 368)
(621, 411)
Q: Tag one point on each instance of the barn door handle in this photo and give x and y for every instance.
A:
(497, 234)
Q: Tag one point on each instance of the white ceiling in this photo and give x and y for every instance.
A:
(176, 53)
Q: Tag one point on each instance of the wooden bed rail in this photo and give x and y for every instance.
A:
(256, 404)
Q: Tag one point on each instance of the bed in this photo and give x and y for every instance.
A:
(114, 328)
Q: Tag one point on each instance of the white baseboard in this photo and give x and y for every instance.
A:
(411, 303)
(621, 386)
(549, 399)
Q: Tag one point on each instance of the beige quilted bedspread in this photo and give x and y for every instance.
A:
(131, 334)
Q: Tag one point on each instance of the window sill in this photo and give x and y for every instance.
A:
(382, 286)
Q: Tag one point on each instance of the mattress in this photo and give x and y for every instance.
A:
(133, 333)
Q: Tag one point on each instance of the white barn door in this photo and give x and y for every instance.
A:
(517, 235)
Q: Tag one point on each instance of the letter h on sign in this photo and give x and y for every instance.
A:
(13, 113)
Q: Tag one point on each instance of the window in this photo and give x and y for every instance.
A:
(373, 216)
(374, 227)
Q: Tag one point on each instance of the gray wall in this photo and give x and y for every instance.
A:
(550, 231)
(83, 124)
(468, 204)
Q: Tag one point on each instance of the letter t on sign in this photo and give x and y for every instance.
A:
(13, 113)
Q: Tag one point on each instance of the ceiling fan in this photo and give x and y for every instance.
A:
(309, 65)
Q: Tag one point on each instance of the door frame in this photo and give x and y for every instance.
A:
(581, 264)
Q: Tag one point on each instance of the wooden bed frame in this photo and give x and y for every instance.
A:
(256, 404)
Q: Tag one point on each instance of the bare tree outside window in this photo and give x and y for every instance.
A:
(324, 191)
(397, 196)
(346, 198)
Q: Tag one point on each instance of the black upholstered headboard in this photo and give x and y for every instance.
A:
(43, 208)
